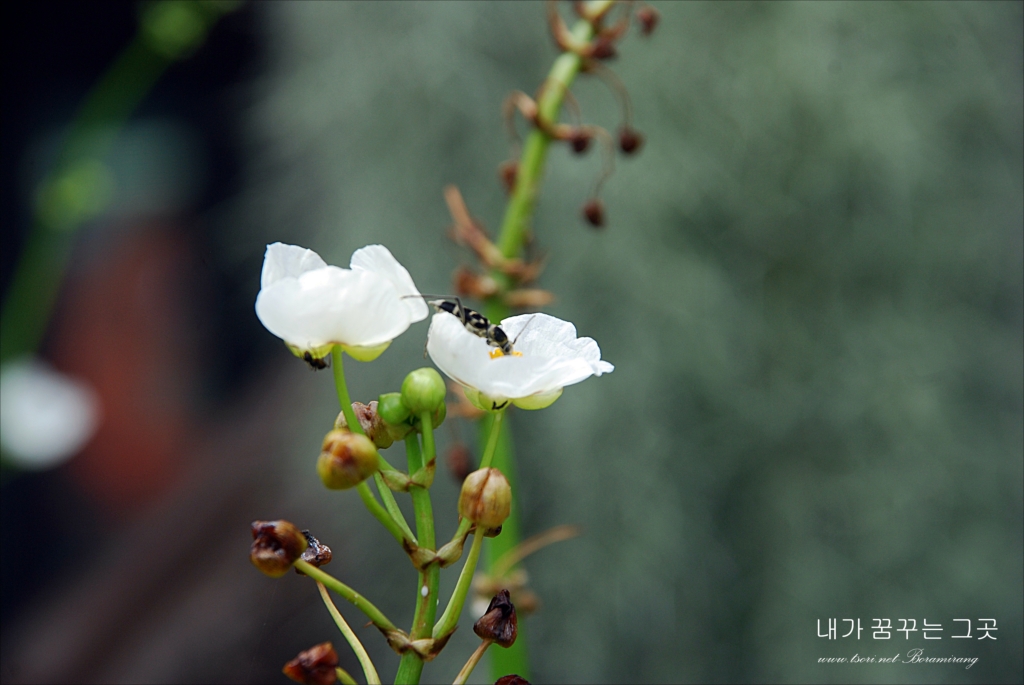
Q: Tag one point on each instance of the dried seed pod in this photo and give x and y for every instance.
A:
(593, 212)
(580, 141)
(511, 679)
(317, 553)
(630, 140)
(499, 621)
(371, 422)
(486, 498)
(315, 666)
(346, 459)
(648, 18)
(275, 546)
(508, 171)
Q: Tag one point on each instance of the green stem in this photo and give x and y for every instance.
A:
(492, 439)
(389, 515)
(411, 665)
(357, 600)
(350, 637)
(513, 234)
(451, 614)
(382, 515)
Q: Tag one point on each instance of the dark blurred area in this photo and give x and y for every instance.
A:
(810, 284)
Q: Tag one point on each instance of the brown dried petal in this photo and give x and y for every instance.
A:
(499, 621)
(317, 553)
(315, 666)
(630, 140)
(593, 212)
(512, 679)
(372, 424)
(275, 546)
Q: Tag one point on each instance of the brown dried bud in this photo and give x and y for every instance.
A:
(511, 679)
(486, 498)
(469, 284)
(459, 461)
(593, 212)
(372, 424)
(499, 621)
(275, 546)
(508, 171)
(317, 553)
(648, 18)
(603, 48)
(630, 140)
(580, 141)
(346, 459)
(315, 666)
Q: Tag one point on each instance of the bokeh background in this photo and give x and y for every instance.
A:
(810, 284)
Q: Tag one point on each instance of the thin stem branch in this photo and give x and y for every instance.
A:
(357, 600)
(364, 659)
(471, 663)
(389, 515)
(492, 440)
(451, 614)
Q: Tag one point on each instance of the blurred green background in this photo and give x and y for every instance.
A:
(810, 285)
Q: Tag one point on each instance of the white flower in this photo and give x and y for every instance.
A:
(45, 417)
(548, 356)
(313, 306)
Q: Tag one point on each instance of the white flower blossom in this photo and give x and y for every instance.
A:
(313, 306)
(45, 416)
(548, 356)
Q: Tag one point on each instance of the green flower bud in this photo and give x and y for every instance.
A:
(437, 418)
(275, 546)
(486, 498)
(391, 408)
(346, 459)
(423, 390)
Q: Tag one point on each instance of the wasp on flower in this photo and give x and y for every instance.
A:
(550, 357)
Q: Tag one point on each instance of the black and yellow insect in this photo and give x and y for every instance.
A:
(475, 322)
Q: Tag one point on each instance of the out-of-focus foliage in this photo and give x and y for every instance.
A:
(810, 285)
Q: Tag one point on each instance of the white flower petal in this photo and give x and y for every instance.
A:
(311, 305)
(379, 260)
(45, 417)
(288, 261)
(552, 357)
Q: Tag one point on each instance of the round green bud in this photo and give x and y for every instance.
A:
(486, 498)
(423, 390)
(391, 408)
(346, 459)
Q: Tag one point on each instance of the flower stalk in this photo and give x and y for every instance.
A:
(364, 659)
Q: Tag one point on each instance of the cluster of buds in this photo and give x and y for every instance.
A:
(601, 46)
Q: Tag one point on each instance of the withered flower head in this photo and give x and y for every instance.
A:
(373, 425)
(511, 679)
(499, 621)
(593, 212)
(580, 141)
(630, 140)
(315, 666)
(317, 553)
(275, 546)
(648, 18)
(508, 171)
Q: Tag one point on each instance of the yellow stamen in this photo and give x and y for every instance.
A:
(516, 354)
(496, 352)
